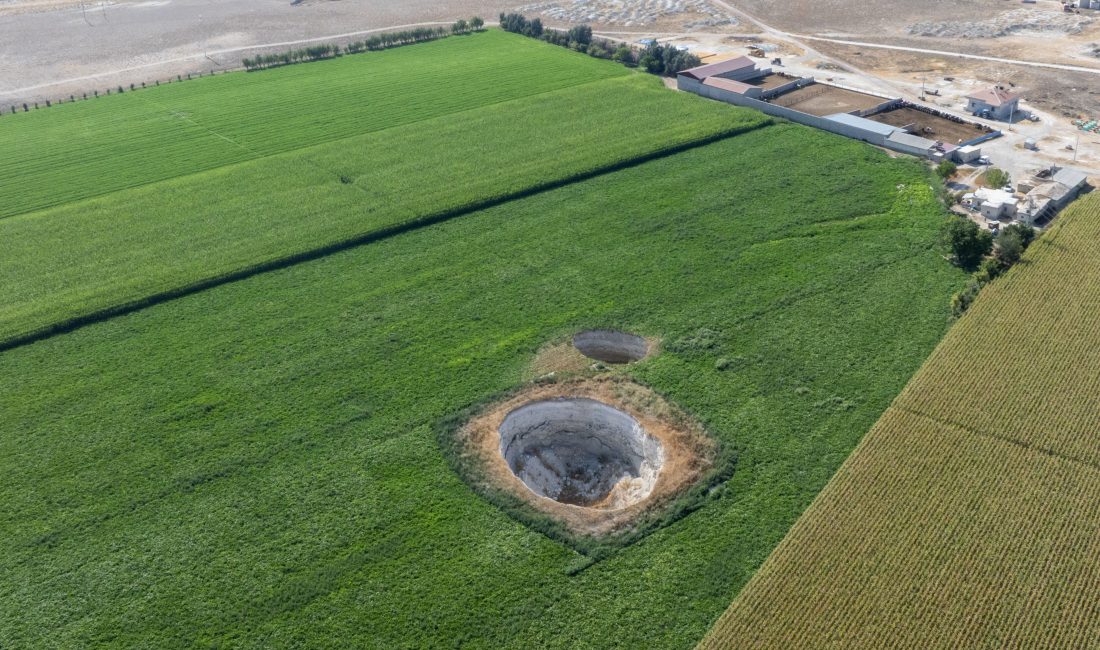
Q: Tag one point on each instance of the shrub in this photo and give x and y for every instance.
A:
(997, 177)
(946, 169)
(962, 300)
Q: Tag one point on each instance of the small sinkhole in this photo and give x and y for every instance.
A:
(611, 346)
(581, 452)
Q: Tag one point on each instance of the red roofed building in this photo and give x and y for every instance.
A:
(997, 102)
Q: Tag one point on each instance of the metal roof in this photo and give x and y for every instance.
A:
(722, 67)
(907, 139)
(1069, 177)
(728, 84)
(862, 123)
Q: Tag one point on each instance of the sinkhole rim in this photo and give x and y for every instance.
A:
(580, 452)
(611, 346)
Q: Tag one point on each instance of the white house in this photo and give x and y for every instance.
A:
(995, 204)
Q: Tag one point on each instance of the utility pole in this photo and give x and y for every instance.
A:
(1076, 147)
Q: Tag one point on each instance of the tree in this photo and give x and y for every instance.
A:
(581, 34)
(968, 243)
(624, 54)
(946, 169)
(1026, 233)
(459, 27)
(476, 22)
(653, 59)
(997, 177)
(534, 28)
(1009, 247)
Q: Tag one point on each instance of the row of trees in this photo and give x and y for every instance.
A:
(312, 53)
(380, 41)
(656, 59)
(971, 247)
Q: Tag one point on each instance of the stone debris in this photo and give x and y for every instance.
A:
(581, 452)
(630, 12)
(1010, 23)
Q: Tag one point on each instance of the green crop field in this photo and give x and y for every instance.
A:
(255, 460)
(88, 148)
(967, 518)
(77, 259)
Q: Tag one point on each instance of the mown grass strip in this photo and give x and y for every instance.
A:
(87, 261)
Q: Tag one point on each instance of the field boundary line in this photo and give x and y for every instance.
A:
(106, 313)
(1038, 449)
(294, 150)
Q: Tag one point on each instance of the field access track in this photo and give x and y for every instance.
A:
(969, 517)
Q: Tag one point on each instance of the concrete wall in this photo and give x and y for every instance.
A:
(690, 85)
(794, 84)
(901, 147)
(881, 108)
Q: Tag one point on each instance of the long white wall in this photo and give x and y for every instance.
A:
(691, 85)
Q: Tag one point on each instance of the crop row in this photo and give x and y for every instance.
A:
(255, 465)
(89, 148)
(83, 258)
(969, 516)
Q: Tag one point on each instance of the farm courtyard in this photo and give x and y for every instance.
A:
(244, 320)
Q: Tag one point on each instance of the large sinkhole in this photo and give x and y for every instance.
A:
(611, 346)
(581, 452)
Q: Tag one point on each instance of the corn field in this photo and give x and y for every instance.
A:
(969, 517)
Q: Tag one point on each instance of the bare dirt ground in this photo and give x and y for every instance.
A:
(822, 100)
(927, 125)
(688, 451)
(70, 49)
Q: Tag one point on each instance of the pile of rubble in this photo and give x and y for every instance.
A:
(630, 12)
(1010, 23)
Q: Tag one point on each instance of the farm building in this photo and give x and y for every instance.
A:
(1054, 190)
(739, 87)
(741, 68)
(914, 145)
(996, 103)
(861, 128)
(995, 204)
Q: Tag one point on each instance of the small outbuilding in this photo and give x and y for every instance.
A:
(911, 144)
(860, 128)
(996, 103)
(740, 68)
(995, 205)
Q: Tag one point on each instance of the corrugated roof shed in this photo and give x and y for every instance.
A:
(910, 140)
(728, 84)
(862, 123)
(1070, 177)
(722, 67)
